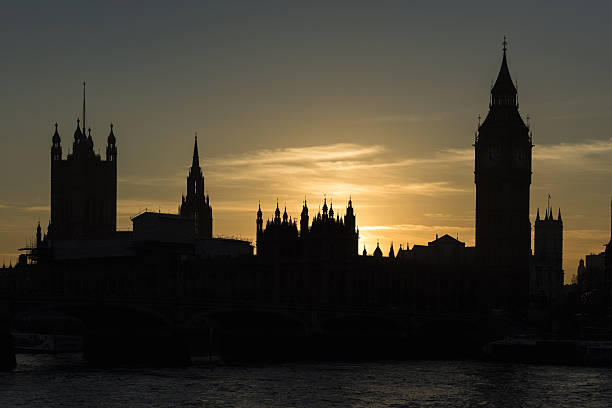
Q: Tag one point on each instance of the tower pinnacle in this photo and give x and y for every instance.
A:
(504, 92)
(196, 158)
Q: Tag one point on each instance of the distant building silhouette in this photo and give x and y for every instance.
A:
(594, 280)
(547, 280)
(327, 238)
(608, 263)
(503, 177)
(83, 187)
(280, 238)
(196, 204)
(443, 252)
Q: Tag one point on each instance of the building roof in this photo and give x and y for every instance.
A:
(446, 240)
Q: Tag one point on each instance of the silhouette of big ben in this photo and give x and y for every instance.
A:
(503, 176)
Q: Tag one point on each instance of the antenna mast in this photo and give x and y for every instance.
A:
(84, 108)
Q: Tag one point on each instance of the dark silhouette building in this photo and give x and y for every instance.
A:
(329, 237)
(83, 187)
(503, 177)
(196, 204)
(280, 239)
(608, 263)
(547, 282)
(594, 280)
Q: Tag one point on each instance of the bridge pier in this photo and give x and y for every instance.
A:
(7, 352)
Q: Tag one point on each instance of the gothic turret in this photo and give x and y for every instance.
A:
(56, 147)
(259, 237)
(197, 204)
(325, 214)
(349, 217)
(111, 148)
(38, 236)
(304, 220)
(377, 251)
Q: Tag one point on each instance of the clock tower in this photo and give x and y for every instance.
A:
(503, 177)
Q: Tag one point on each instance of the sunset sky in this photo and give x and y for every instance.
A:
(377, 100)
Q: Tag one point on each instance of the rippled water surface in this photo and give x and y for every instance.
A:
(54, 381)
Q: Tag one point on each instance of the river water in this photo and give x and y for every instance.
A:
(64, 380)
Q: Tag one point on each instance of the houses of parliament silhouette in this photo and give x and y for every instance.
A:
(84, 202)
(315, 273)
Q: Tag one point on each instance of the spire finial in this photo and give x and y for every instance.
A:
(56, 126)
(505, 43)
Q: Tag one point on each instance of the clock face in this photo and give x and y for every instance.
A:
(493, 153)
(521, 157)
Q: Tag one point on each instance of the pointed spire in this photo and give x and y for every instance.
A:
(277, 213)
(377, 252)
(77, 132)
(56, 137)
(325, 206)
(111, 136)
(504, 92)
(538, 215)
(196, 158)
(559, 215)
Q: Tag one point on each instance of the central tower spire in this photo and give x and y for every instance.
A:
(196, 158)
